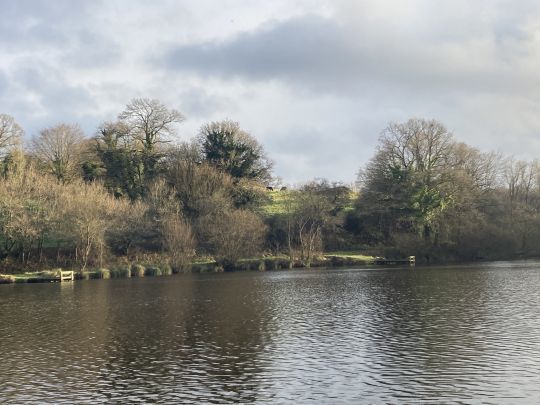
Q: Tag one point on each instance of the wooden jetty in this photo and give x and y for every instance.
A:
(411, 260)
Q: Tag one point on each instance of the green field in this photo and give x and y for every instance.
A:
(278, 203)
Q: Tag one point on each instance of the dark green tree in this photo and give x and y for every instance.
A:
(226, 146)
(120, 159)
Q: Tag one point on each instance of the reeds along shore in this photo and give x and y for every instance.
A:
(140, 270)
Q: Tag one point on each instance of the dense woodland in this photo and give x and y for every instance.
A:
(134, 192)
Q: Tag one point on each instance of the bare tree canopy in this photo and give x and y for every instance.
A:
(10, 133)
(58, 149)
(418, 144)
(150, 121)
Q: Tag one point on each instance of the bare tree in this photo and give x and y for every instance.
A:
(58, 149)
(311, 215)
(483, 169)
(201, 188)
(129, 228)
(418, 145)
(10, 133)
(28, 202)
(87, 213)
(150, 121)
(233, 235)
(178, 241)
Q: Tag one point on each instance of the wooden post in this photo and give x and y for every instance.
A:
(412, 260)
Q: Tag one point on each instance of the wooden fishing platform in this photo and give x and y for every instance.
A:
(411, 260)
(62, 276)
(67, 275)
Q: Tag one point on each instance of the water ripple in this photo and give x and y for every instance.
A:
(428, 335)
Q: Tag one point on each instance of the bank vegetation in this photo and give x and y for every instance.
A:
(133, 194)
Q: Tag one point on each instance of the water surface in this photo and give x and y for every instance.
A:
(434, 335)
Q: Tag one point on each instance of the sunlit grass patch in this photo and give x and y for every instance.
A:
(277, 204)
(350, 255)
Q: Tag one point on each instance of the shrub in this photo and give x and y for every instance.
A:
(271, 264)
(233, 235)
(179, 241)
(166, 269)
(121, 272)
(152, 271)
(103, 273)
(203, 267)
(137, 270)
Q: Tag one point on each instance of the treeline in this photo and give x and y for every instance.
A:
(132, 192)
(424, 193)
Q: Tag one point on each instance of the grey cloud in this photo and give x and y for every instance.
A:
(323, 54)
(90, 49)
(40, 21)
(57, 27)
(47, 11)
(302, 47)
(54, 99)
(198, 103)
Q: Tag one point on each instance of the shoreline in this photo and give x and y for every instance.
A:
(157, 270)
(273, 263)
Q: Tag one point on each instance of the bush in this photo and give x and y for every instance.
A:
(179, 241)
(233, 235)
(183, 268)
(271, 264)
(152, 271)
(85, 275)
(121, 272)
(204, 268)
(103, 273)
(137, 270)
(166, 269)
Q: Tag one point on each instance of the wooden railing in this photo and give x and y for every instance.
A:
(67, 275)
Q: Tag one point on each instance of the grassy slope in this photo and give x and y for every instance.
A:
(277, 205)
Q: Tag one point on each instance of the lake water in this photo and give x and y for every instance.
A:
(466, 334)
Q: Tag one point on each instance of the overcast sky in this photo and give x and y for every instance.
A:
(314, 81)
